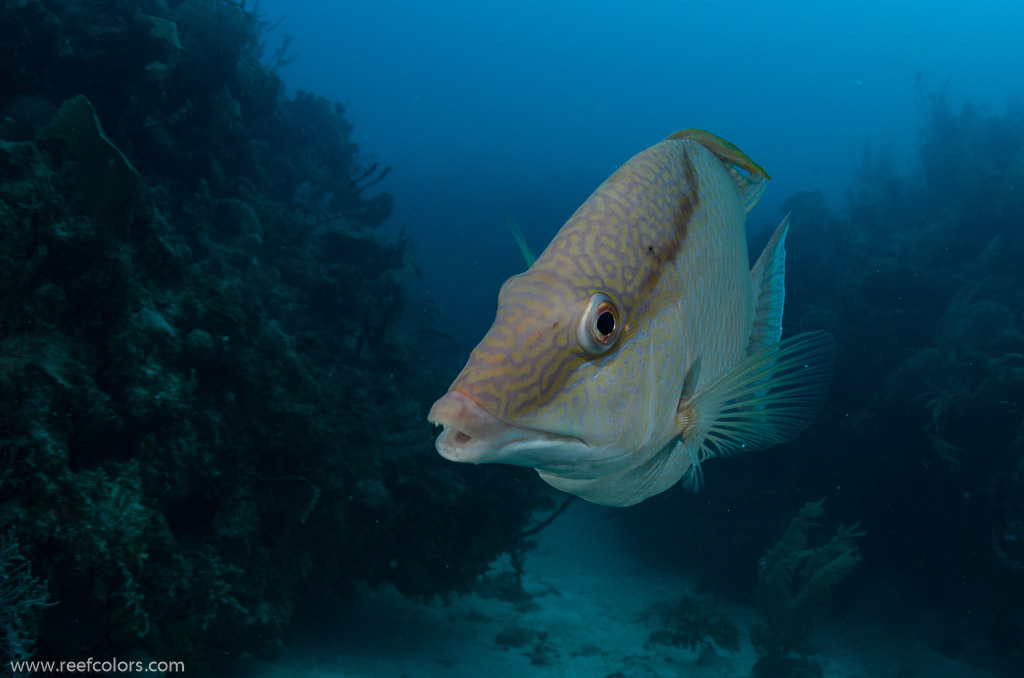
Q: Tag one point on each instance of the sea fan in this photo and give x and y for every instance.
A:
(796, 583)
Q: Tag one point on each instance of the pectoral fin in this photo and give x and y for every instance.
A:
(767, 399)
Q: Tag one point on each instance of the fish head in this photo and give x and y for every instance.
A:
(568, 380)
(547, 384)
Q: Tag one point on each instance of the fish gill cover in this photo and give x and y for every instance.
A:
(211, 414)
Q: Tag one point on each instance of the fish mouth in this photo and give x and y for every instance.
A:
(473, 435)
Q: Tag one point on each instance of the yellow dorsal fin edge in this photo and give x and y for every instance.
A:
(725, 150)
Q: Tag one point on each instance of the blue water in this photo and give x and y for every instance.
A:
(490, 110)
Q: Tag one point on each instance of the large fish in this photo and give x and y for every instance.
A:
(639, 344)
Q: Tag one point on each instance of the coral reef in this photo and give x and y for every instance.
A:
(213, 419)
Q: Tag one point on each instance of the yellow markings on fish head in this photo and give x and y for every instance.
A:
(524, 357)
(572, 339)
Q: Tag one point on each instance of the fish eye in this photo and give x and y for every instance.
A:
(599, 325)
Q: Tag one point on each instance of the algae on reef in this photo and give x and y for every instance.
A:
(211, 416)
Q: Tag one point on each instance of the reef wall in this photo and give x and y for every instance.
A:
(210, 415)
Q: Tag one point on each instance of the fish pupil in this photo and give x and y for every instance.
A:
(606, 323)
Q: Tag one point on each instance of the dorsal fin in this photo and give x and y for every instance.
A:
(751, 185)
(517, 235)
(725, 150)
(768, 285)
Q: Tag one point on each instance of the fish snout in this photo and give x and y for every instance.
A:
(470, 431)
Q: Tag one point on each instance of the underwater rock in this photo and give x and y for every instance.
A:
(165, 33)
(152, 322)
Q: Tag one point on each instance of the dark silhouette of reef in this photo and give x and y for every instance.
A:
(921, 441)
(211, 417)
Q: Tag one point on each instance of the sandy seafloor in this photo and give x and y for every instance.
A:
(588, 592)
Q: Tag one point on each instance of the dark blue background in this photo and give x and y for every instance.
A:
(490, 110)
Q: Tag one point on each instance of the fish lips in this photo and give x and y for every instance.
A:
(473, 435)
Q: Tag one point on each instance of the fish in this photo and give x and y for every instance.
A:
(640, 343)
